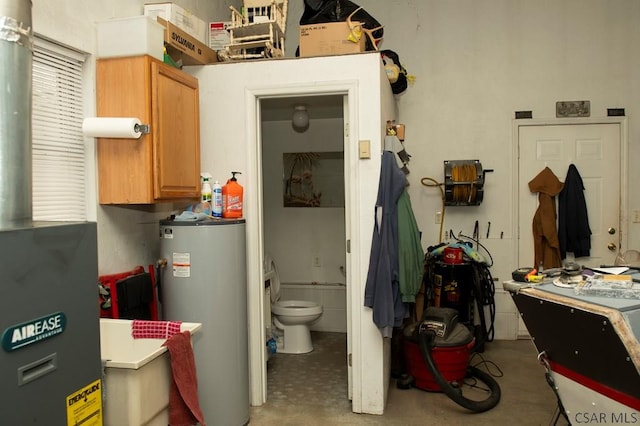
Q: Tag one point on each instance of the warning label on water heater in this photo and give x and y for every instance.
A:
(182, 265)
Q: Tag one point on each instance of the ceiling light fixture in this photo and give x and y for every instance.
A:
(300, 118)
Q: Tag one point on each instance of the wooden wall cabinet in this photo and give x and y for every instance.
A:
(163, 165)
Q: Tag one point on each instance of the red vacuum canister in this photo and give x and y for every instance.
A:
(232, 194)
(451, 354)
(437, 352)
(452, 362)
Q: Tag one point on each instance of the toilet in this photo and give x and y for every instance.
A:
(293, 317)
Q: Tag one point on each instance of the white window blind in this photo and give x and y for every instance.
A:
(59, 190)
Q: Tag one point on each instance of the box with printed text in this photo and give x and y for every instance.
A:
(218, 35)
(185, 49)
(329, 38)
(181, 18)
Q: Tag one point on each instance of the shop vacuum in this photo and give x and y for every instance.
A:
(437, 352)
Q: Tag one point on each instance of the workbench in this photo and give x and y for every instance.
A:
(589, 348)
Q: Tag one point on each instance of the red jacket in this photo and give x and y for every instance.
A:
(545, 231)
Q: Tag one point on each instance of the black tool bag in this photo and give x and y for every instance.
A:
(319, 11)
(399, 80)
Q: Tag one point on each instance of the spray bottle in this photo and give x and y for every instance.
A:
(217, 200)
(232, 198)
(206, 188)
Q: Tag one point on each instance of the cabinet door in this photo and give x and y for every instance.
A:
(176, 124)
(125, 172)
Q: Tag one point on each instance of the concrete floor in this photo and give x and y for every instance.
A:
(310, 389)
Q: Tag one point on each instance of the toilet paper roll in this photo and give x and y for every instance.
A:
(111, 127)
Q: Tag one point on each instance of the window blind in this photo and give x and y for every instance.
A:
(58, 151)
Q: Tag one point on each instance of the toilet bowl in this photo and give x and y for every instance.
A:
(293, 317)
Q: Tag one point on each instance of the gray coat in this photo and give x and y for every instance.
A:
(381, 291)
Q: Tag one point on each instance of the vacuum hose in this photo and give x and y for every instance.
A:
(425, 342)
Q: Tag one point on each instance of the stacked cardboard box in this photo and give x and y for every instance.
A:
(330, 38)
(184, 47)
(218, 35)
(179, 17)
(144, 37)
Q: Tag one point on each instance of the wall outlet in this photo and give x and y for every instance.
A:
(438, 218)
(316, 261)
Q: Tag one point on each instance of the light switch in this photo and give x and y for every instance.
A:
(365, 149)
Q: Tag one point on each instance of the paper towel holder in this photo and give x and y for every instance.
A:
(114, 127)
(142, 128)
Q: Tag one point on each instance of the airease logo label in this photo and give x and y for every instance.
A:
(32, 331)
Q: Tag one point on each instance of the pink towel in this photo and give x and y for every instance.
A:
(184, 407)
(142, 329)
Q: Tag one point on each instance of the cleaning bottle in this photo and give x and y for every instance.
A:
(232, 198)
(206, 191)
(217, 199)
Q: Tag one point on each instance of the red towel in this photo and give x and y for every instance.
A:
(141, 329)
(184, 407)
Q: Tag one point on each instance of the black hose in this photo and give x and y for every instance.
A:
(425, 342)
(478, 295)
(488, 299)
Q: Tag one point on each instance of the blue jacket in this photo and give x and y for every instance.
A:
(381, 291)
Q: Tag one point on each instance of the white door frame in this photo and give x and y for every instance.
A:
(624, 151)
(253, 205)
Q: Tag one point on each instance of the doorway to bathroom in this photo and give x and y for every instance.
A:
(304, 232)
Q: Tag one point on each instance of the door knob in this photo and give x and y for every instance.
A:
(612, 246)
(611, 231)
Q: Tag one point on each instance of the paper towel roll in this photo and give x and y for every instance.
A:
(111, 127)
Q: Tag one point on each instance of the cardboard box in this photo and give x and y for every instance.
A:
(184, 47)
(218, 35)
(330, 38)
(179, 17)
(134, 36)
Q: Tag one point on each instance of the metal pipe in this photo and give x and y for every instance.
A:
(16, 46)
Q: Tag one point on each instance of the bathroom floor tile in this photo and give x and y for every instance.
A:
(318, 378)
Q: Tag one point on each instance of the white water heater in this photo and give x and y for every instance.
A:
(205, 281)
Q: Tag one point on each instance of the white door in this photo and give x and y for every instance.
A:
(595, 150)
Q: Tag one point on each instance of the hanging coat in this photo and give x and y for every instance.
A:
(381, 292)
(545, 232)
(574, 232)
(411, 254)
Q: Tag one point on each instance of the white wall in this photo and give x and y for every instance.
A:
(127, 237)
(295, 235)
